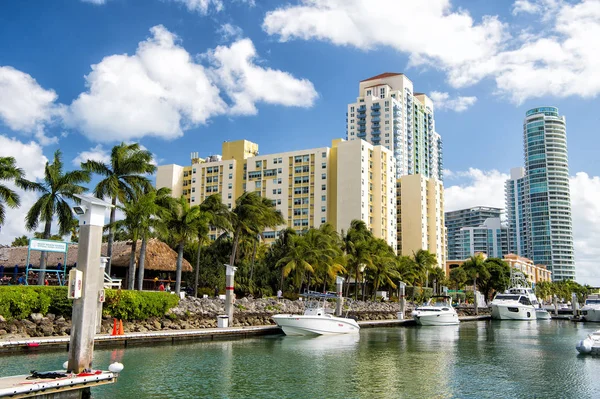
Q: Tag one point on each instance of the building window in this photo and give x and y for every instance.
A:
(194, 170)
(278, 202)
(322, 209)
(231, 175)
(230, 166)
(274, 160)
(368, 92)
(322, 220)
(323, 187)
(229, 196)
(194, 180)
(278, 191)
(229, 186)
(193, 199)
(274, 191)
(324, 176)
(229, 205)
(258, 164)
(323, 154)
(324, 165)
(323, 198)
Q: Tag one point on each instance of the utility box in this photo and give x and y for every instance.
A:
(223, 321)
(75, 284)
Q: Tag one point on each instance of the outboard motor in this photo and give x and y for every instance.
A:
(584, 346)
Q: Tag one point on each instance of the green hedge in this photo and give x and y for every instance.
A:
(20, 301)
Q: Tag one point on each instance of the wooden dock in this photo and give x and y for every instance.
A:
(67, 387)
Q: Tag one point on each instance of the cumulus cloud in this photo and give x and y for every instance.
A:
(162, 90)
(97, 153)
(443, 101)
(560, 60)
(246, 83)
(25, 106)
(30, 158)
(486, 188)
(97, 2)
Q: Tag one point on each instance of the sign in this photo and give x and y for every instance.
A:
(75, 284)
(47, 245)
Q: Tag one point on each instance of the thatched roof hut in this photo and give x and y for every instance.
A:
(159, 256)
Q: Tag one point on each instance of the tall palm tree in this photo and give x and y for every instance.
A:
(213, 212)
(180, 223)
(384, 267)
(57, 188)
(9, 172)
(424, 262)
(296, 260)
(251, 215)
(122, 176)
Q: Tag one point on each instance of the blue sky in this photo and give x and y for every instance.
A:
(185, 75)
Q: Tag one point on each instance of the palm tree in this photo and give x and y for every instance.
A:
(156, 203)
(251, 215)
(296, 260)
(124, 175)
(356, 246)
(57, 188)
(475, 267)
(11, 173)
(213, 212)
(424, 262)
(180, 223)
(384, 266)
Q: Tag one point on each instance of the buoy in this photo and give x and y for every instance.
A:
(33, 344)
(116, 367)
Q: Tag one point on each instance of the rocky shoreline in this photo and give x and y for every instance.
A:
(196, 313)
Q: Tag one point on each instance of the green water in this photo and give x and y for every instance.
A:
(474, 360)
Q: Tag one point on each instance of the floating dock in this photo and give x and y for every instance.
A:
(67, 387)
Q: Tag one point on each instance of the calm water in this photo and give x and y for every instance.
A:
(474, 360)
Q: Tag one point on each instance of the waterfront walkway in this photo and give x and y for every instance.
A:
(172, 336)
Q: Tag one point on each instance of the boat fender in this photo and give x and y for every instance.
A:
(584, 346)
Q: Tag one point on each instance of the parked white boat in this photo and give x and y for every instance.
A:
(590, 345)
(316, 320)
(436, 314)
(518, 302)
(591, 309)
(542, 314)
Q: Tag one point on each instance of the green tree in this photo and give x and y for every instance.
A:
(459, 277)
(22, 241)
(213, 213)
(57, 188)
(180, 224)
(296, 260)
(251, 215)
(356, 246)
(9, 172)
(498, 278)
(425, 261)
(122, 176)
(384, 268)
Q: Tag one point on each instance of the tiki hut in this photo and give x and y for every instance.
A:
(161, 260)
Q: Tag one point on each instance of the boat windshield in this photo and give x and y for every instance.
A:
(431, 309)
(592, 302)
(505, 297)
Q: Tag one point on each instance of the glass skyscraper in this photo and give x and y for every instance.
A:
(538, 199)
(463, 218)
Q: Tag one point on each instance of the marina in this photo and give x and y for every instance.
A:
(484, 359)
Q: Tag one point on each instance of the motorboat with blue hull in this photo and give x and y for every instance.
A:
(317, 319)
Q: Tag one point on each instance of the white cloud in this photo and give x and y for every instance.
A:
(25, 106)
(585, 206)
(97, 2)
(229, 31)
(486, 188)
(246, 83)
(161, 91)
(443, 101)
(31, 159)
(560, 60)
(479, 188)
(201, 6)
(97, 153)
(158, 91)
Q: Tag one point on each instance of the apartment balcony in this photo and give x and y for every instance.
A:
(362, 108)
(362, 122)
(361, 135)
(375, 113)
(375, 107)
(375, 119)
(376, 134)
(362, 129)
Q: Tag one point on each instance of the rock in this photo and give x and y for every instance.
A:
(157, 325)
(2, 319)
(51, 316)
(36, 317)
(3, 332)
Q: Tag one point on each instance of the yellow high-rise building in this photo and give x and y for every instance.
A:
(351, 180)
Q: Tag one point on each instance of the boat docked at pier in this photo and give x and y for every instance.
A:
(518, 302)
(436, 313)
(317, 319)
(591, 309)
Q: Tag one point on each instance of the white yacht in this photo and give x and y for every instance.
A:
(589, 345)
(316, 320)
(591, 310)
(436, 314)
(518, 302)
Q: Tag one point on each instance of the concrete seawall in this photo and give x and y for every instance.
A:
(172, 337)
